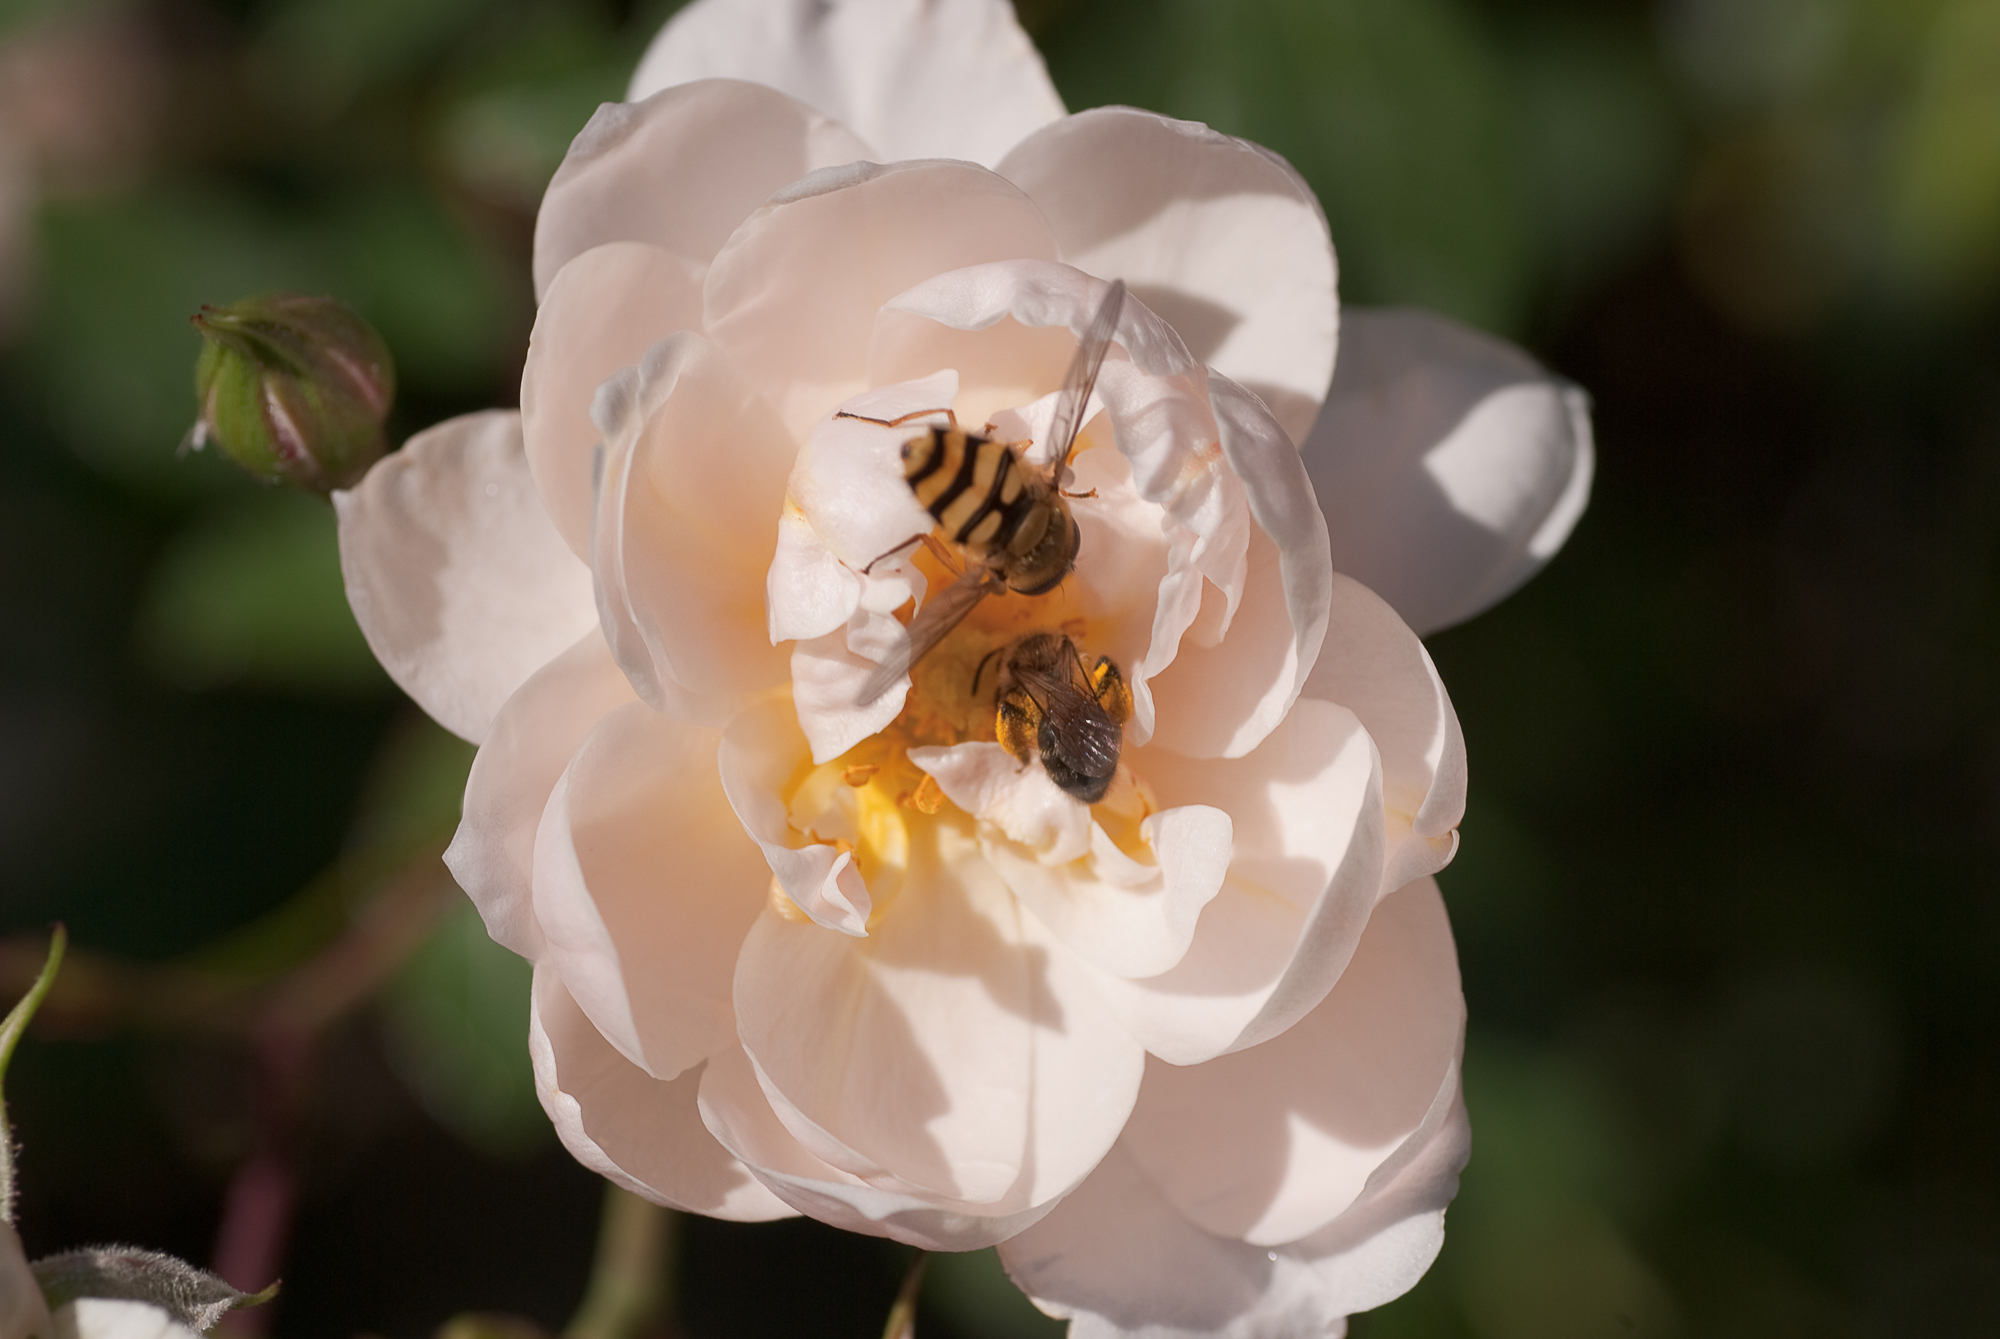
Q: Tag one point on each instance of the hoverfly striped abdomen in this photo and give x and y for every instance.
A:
(984, 500)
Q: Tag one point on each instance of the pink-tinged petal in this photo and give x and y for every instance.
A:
(680, 169)
(1272, 1143)
(458, 578)
(603, 310)
(1128, 917)
(1306, 815)
(645, 887)
(1374, 665)
(1379, 1248)
(763, 754)
(1118, 1262)
(849, 481)
(739, 1116)
(642, 1133)
(532, 741)
(1224, 693)
(827, 677)
(112, 1318)
(1017, 798)
(956, 1054)
(917, 79)
(1451, 465)
(1218, 235)
(793, 295)
(694, 473)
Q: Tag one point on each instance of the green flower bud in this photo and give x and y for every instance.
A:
(293, 388)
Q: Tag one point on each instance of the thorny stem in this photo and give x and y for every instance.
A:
(903, 1315)
(631, 1286)
(11, 1029)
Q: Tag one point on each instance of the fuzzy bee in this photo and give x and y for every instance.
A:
(1049, 705)
(1003, 523)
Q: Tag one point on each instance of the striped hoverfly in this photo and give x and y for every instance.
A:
(1003, 524)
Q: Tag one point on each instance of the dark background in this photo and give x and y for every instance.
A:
(1725, 901)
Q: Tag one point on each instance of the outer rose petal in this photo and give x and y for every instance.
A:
(1375, 666)
(460, 582)
(1123, 1260)
(694, 472)
(643, 1133)
(793, 295)
(918, 80)
(1306, 809)
(645, 886)
(1450, 465)
(1274, 1142)
(532, 740)
(116, 1318)
(738, 1114)
(680, 170)
(1218, 235)
(602, 312)
(954, 1054)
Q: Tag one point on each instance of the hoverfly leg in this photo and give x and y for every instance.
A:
(899, 422)
(953, 563)
(1079, 497)
(881, 557)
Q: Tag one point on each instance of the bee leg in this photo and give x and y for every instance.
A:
(984, 661)
(899, 422)
(1113, 694)
(1016, 722)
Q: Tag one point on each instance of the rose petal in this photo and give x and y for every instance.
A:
(1123, 1264)
(736, 1111)
(1450, 465)
(1374, 665)
(793, 295)
(1123, 917)
(695, 466)
(1274, 1142)
(110, 1318)
(1118, 1261)
(955, 1054)
(531, 742)
(1218, 235)
(642, 1133)
(460, 582)
(762, 754)
(1305, 809)
(601, 312)
(917, 80)
(645, 887)
(680, 169)
(1220, 699)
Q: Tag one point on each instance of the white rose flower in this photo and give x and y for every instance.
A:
(1190, 1053)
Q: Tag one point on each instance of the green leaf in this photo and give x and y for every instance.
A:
(971, 1290)
(253, 594)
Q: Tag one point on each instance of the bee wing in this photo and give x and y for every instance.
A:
(1075, 393)
(940, 614)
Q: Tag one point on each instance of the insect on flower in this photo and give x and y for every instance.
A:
(1049, 705)
(1006, 524)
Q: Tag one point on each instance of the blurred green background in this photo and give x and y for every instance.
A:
(1730, 933)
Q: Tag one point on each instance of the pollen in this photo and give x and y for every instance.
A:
(929, 796)
(860, 774)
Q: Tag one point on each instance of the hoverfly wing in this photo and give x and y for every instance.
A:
(1082, 378)
(940, 614)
